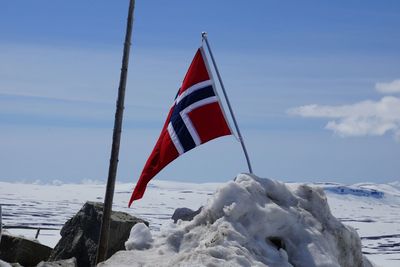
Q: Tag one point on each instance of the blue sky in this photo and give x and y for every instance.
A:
(314, 86)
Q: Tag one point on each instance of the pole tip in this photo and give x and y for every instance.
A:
(204, 35)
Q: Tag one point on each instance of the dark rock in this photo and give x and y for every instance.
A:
(25, 252)
(185, 214)
(80, 234)
(61, 263)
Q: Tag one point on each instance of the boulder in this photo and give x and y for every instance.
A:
(24, 251)
(80, 234)
(185, 214)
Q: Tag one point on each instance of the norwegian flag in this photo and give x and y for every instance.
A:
(195, 118)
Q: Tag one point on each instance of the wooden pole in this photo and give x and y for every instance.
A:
(1, 224)
(112, 171)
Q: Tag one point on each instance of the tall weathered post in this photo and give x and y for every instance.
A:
(112, 171)
(1, 225)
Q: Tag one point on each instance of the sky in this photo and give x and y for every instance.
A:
(315, 87)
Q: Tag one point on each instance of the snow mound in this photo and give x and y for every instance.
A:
(139, 238)
(254, 222)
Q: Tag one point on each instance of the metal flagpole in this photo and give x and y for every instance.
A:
(204, 37)
(112, 171)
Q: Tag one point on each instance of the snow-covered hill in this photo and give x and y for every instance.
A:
(375, 216)
(376, 219)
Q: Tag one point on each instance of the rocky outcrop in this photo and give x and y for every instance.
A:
(80, 234)
(24, 251)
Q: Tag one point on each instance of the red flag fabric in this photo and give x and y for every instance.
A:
(195, 118)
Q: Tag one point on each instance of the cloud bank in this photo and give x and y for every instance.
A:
(388, 88)
(366, 118)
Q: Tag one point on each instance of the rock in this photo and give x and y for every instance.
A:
(366, 262)
(80, 234)
(25, 252)
(185, 214)
(61, 263)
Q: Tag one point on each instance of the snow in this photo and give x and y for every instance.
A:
(254, 222)
(4, 264)
(49, 206)
(346, 190)
(139, 237)
(377, 221)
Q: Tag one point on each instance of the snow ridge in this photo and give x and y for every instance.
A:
(347, 190)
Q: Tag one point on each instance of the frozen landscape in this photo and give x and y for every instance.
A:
(372, 209)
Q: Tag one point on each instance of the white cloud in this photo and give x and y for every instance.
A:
(388, 88)
(360, 119)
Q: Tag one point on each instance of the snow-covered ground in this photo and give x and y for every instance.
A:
(372, 209)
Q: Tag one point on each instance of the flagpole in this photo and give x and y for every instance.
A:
(204, 37)
(112, 171)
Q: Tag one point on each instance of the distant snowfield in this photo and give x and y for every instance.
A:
(372, 209)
